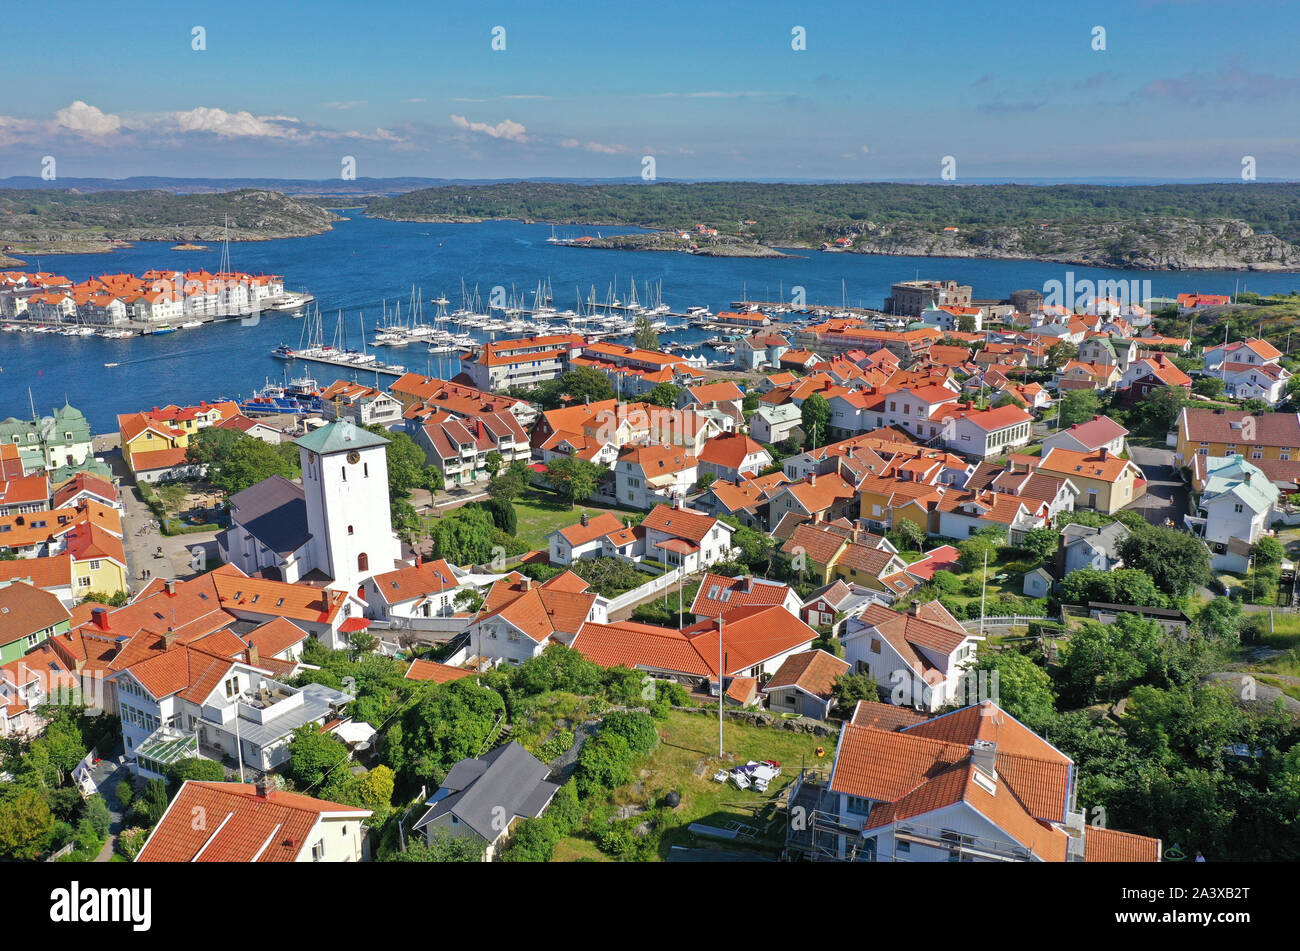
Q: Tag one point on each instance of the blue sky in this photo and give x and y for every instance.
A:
(1184, 89)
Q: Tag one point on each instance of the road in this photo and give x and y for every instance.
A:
(1166, 495)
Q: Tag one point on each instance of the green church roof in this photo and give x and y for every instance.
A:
(339, 437)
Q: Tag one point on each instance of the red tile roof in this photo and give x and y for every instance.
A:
(240, 826)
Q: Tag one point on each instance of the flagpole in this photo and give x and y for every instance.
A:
(720, 675)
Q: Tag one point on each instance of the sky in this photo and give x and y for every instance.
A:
(1178, 89)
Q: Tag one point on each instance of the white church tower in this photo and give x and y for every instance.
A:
(345, 483)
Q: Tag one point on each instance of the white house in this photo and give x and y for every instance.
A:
(772, 424)
(917, 656)
(729, 456)
(1100, 432)
(687, 538)
(1234, 508)
(973, 785)
(586, 539)
(645, 476)
(258, 823)
(427, 589)
(984, 433)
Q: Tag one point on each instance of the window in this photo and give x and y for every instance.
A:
(858, 806)
(363, 562)
(875, 645)
(318, 851)
(350, 530)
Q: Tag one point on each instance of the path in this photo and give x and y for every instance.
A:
(1166, 495)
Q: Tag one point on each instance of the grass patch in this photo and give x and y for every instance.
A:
(685, 761)
(540, 514)
(538, 718)
(1286, 631)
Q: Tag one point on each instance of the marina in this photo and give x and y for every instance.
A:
(362, 261)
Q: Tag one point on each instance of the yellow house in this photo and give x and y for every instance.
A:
(98, 560)
(1209, 432)
(141, 435)
(886, 501)
(1106, 482)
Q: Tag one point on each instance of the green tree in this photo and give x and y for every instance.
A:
(377, 789)
(26, 825)
(441, 846)
(1102, 661)
(493, 462)
(534, 841)
(247, 461)
(573, 479)
(985, 542)
(851, 688)
(911, 537)
(1023, 688)
(644, 334)
(1220, 618)
(1176, 561)
(1040, 543)
(507, 485)
(452, 722)
(1268, 551)
(195, 767)
(464, 537)
(1210, 386)
(815, 419)
(664, 394)
(314, 758)
(1078, 406)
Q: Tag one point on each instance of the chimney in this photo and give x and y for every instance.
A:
(171, 587)
(253, 654)
(915, 610)
(100, 617)
(419, 560)
(1104, 453)
(585, 518)
(264, 786)
(528, 583)
(812, 478)
(984, 756)
(169, 639)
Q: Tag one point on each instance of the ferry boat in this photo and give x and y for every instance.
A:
(164, 329)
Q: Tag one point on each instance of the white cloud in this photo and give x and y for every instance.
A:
(505, 129)
(605, 149)
(349, 104)
(88, 121)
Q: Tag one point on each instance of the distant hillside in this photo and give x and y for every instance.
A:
(1236, 226)
(65, 220)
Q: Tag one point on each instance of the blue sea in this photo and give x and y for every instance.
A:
(354, 268)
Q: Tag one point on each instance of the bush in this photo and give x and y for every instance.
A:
(638, 729)
(604, 763)
(556, 746)
(565, 811)
(125, 793)
(131, 841)
(534, 841)
(946, 582)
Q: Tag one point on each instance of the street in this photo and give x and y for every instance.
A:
(1166, 495)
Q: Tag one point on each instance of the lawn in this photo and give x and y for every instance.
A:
(1286, 631)
(685, 761)
(540, 514)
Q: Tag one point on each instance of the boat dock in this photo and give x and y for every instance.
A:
(388, 369)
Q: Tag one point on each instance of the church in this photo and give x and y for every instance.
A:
(334, 529)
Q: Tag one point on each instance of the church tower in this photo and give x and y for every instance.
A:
(345, 483)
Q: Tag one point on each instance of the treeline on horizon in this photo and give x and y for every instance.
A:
(59, 209)
(809, 212)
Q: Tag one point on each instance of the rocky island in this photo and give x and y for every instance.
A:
(64, 221)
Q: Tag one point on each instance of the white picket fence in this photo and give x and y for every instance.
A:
(641, 592)
(1016, 620)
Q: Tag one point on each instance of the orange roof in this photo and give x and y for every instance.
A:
(1111, 845)
(679, 522)
(416, 581)
(601, 525)
(438, 673)
(1101, 465)
(719, 595)
(729, 450)
(294, 601)
(814, 672)
(243, 826)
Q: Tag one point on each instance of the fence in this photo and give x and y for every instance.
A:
(1017, 620)
(641, 592)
